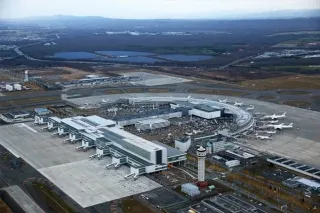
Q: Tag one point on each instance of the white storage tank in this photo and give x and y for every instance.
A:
(9, 87)
(17, 86)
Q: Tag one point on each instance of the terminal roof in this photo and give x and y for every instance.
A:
(205, 108)
(171, 152)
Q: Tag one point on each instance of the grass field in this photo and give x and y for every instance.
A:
(133, 206)
(290, 92)
(266, 98)
(297, 103)
(4, 208)
(301, 68)
(158, 90)
(218, 92)
(134, 90)
(53, 200)
(114, 91)
(296, 33)
(286, 82)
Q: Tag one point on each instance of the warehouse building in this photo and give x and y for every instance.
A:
(133, 119)
(109, 139)
(150, 124)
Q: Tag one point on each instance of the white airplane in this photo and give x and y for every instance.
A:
(273, 122)
(271, 132)
(274, 116)
(189, 97)
(251, 107)
(263, 137)
(223, 101)
(104, 101)
(281, 126)
(238, 104)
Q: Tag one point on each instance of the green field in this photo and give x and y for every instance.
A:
(293, 68)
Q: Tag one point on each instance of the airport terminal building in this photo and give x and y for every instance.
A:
(109, 139)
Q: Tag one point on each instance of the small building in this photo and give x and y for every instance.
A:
(232, 163)
(217, 145)
(18, 114)
(150, 124)
(183, 144)
(205, 111)
(41, 116)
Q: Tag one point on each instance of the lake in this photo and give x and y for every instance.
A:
(124, 53)
(136, 59)
(75, 55)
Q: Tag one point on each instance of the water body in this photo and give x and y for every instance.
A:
(181, 57)
(136, 59)
(76, 55)
(124, 53)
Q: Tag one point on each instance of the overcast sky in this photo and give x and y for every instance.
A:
(147, 8)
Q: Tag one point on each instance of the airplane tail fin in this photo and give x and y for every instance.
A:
(291, 124)
(284, 113)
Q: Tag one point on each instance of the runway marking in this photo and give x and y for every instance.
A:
(28, 127)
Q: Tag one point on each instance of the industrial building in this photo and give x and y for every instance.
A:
(141, 155)
(295, 166)
(199, 110)
(133, 119)
(150, 124)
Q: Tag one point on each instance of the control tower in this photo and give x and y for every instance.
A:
(26, 76)
(201, 154)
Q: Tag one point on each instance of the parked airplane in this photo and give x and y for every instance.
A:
(238, 104)
(223, 101)
(263, 137)
(251, 107)
(281, 126)
(273, 122)
(271, 132)
(274, 116)
(104, 101)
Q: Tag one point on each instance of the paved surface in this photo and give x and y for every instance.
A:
(38, 148)
(86, 182)
(301, 143)
(25, 202)
(89, 183)
(149, 79)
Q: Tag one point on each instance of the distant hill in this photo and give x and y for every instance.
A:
(280, 14)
